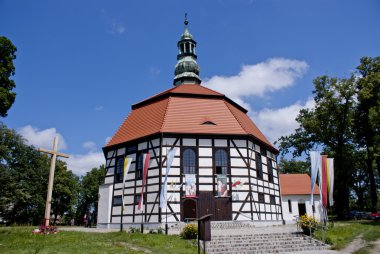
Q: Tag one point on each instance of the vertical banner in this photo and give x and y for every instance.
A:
(330, 177)
(324, 180)
(164, 188)
(315, 159)
(190, 185)
(127, 165)
(222, 190)
(146, 161)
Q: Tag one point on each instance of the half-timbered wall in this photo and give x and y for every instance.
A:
(256, 198)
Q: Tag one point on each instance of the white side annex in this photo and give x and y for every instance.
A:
(250, 170)
(295, 206)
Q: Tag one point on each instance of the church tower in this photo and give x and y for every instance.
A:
(186, 69)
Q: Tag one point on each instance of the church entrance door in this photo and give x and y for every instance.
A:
(189, 209)
(220, 208)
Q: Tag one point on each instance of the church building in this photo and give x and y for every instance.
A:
(223, 164)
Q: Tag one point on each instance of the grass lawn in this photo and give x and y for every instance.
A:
(342, 233)
(21, 240)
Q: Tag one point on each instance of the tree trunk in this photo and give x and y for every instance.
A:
(372, 181)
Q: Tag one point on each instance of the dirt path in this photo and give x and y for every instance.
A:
(355, 245)
(376, 249)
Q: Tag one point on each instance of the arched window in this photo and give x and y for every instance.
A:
(221, 161)
(189, 161)
(119, 170)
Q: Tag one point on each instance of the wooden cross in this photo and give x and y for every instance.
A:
(54, 153)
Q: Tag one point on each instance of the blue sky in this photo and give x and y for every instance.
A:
(81, 64)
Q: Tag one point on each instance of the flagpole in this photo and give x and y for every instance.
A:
(122, 208)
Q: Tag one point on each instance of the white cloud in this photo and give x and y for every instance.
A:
(80, 164)
(275, 123)
(108, 139)
(259, 79)
(98, 108)
(117, 28)
(89, 145)
(42, 138)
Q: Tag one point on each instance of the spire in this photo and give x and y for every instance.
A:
(186, 69)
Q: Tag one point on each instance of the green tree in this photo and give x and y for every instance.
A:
(65, 191)
(293, 166)
(89, 194)
(367, 119)
(7, 69)
(329, 126)
(24, 173)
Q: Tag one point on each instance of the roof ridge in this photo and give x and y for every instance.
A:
(212, 90)
(237, 119)
(166, 113)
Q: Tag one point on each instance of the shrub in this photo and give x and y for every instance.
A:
(190, 231)
(308, 224)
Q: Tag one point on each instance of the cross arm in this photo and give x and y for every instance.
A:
(53, 152)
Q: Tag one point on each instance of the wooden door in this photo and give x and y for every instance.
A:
(301, 209)
(189, 209)
(223, 209)
(206, 204)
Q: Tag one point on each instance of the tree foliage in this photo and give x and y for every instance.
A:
(7, 69)
(345, 124)
(293, 166)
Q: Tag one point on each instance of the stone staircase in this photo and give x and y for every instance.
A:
(244, 237)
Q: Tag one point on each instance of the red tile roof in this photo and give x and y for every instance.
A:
(184, 109)
(296, 184)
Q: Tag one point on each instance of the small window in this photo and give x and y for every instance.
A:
(290, 206)
(117, 201)
(259, 166)
(137, 198)
(272, 200)
(261, 198)
(119, 170)
(189, 161)
(263, 151)
(313, 207)
(139, 166)
(221, 161)
(270, 170)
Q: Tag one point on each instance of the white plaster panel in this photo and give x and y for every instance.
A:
(234, 152)
(262, 207)
(149, 207)
(116, 219)
(257, 148)
(142, 146)
(117, 192)
(271, 185)
(118, 185)
(245, 186)
(176, 162)
(205, 162)
(205, 180)
(129, 191)
(277, 193)
(153, 180)
(189, 142)
(110, 171)
(168, 141)
(266, 190)
(120, 151)
(254, 188)
(153, 172)
(265, 169)
(153, 188)
(128, 209)
(173, 171)
(263, 159)
(275, 180)
(205, 142)
(252, 164)
(112, 162)
(265, 178)
(255, 196)
(260, 182)
(266, 198)
(271, 191)
(108, 180)
(116, 210)
(205, 152)
(109, 154)
(253, 180)
(255, 217)
(156, 142)
(240, 143)
(243, 151)
(154, 218)
(267, 208)
(151, 197)
(205, 171)
(205, 187)
(128, 219)
(174, 196)
(277, 200)
(268, 217)
(171, 179)
(131, 176)
(239, 171)
(220, 142)
(247, 207)
(237, 162)
(261, 189)
(236, 206)
(175, 207)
